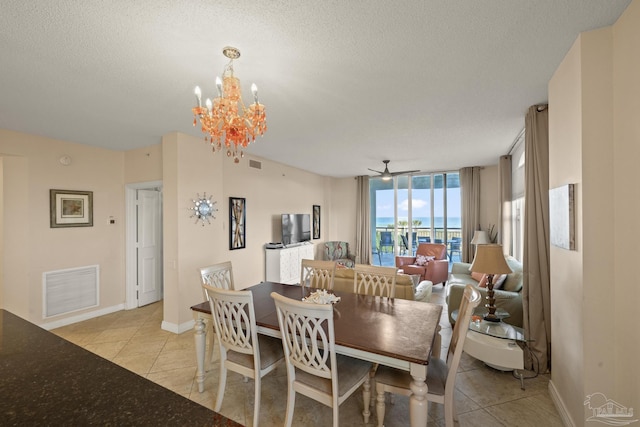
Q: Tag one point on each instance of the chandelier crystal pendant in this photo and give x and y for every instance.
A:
(226, 120)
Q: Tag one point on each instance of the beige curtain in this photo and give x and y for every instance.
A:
(504, 209)
(363, 222)
(470, 204)
(535, 293)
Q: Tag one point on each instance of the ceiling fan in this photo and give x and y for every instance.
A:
(386, 175)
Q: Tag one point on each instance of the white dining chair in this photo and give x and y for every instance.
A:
(242, 350)
(218, 276)
(375, 280)
(441, 375)
(317, 273)
(378, 281)
(313, 367)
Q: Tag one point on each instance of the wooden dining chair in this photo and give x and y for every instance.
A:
(441, 375)
(313, 367)
(374, 280)
(242, 350)
(317, 273)
(218, 276)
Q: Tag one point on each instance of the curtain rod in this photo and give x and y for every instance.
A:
(516, 141)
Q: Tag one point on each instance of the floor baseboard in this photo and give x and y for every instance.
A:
(560, 406)
(81, 317)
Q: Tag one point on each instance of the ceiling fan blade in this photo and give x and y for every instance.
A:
(403, 172)
(373, 170)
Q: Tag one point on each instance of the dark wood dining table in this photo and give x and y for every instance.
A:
(388, 331)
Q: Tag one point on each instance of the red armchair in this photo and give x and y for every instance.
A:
(436, 269)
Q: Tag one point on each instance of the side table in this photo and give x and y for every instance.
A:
(495, 343)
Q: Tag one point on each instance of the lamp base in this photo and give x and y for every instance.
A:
(491, 317)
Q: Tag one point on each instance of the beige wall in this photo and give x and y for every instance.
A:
(565, 166)
(186, 166)
(593, 130)
(143, 164)
(626, 193)
(31, 168)
(190, 168)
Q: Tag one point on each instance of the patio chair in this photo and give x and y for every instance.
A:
(414, 240)
(455, 246)
(386, 241)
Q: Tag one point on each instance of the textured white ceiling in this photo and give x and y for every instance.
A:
(431, 85)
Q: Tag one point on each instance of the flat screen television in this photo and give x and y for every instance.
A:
(296, 228)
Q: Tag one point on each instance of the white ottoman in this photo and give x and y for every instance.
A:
(423, 291)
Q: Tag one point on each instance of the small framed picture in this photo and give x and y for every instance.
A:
(237, 215)
(316, 221)
(69, 208)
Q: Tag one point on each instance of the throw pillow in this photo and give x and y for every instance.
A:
(477, 276)
(482, 283)
(422, 260)
(499, 281)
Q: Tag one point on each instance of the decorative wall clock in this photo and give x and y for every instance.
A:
(203, 209)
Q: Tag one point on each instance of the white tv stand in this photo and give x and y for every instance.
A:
(283, 264)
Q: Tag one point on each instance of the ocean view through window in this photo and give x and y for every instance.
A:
(413, 209)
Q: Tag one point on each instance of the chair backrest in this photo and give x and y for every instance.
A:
(414, 238)
(308, 337)
(317, 273)
(470, 300)
(386, 238)
(217, 276)
(234, 321)
(375, 280)
(405, 242)
(437, 250)
(455, 243)
(336, 250)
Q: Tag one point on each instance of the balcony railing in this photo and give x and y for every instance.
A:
(385, 249)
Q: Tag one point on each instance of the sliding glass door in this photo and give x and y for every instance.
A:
(412, 209)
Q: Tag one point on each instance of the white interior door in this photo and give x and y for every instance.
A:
(149, 247)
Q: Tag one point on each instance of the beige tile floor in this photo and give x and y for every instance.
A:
(133, 339)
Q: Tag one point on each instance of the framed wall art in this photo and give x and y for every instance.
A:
(562, 225)
(237, 215)
(316, 221)
(69, 208)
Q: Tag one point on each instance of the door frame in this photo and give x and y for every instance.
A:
(131, 272)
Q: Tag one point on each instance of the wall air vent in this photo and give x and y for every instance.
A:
(255, 164)
(70, 290)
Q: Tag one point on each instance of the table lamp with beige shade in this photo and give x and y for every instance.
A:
(490, 260)
(480, 237)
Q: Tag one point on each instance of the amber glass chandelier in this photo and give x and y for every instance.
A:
(225, 120)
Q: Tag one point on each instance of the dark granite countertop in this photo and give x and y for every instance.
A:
(48, 381)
